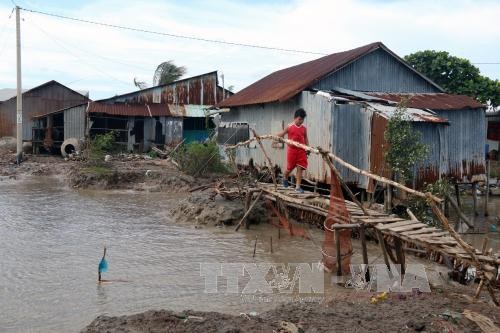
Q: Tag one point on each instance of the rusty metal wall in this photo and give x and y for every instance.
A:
(351, 140)
(74, 122)
(456, 151)
(198, 90)
(171, 129)
(48, 98)
(377, 71)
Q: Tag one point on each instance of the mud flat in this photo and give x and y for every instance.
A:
(438, 311)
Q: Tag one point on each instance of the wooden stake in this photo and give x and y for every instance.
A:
(248, 211)
(271, 169)
(487, 198)
(474, 197)
(457, 194)
(364, 250)
(459, 212)
(254, 247)
(381, 241)
(400, 254)
(271, 241)
(339, 256)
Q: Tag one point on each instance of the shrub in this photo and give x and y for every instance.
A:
(198, 158)
(99, 146)
(419, 206)
(403, 145)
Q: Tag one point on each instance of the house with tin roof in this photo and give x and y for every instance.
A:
(349, 97)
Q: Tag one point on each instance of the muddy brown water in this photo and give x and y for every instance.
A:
(51, 240)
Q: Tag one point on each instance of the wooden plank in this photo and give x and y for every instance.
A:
(432, 241)
(420, 231)
(436, 234)
(416, 225)
(369, 219)
(392, 225)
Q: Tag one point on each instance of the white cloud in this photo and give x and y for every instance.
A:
(105, 60)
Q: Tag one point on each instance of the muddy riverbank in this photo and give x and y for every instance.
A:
(141, 209)
(439, 311)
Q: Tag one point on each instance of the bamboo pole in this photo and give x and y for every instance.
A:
(335, 173)
(267, 157)
(459, 212)
(248, 211)
(338, 160)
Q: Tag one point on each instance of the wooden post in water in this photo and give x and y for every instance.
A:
(474, 197)
(487, 197)
(254, 247)
(457, 194)
(339, 257)
(362, 235)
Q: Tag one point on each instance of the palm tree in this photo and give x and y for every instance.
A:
(167, 72)
(140, 84)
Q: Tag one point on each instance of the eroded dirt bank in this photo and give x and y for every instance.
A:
(439, 311)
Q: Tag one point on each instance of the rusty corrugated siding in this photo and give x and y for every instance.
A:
(43, 99)
(377, 161)
(433, 101)
(197, 90)
(122, 109)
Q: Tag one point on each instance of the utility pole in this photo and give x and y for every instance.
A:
(19, 153)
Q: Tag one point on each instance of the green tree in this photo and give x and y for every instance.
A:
(167, 72)
(455, 75)
(403, 146)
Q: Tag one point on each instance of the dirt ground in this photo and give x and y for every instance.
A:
(438, 311)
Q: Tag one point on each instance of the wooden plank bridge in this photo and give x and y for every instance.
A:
(412, 232)
(444, 241)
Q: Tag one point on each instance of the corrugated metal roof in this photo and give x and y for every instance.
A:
(387, 112)
(286, 83)
(9, 93)
(141, 110)
(433, 101)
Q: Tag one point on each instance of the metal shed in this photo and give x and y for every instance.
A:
(348, 97)
(186, 98)
(40, 100)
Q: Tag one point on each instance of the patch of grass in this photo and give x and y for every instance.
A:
(97, 170)
(198, 158)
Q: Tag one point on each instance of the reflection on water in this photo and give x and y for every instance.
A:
(51, 241)
(484, 227)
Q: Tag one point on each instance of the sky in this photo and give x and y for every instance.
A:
(104, 61)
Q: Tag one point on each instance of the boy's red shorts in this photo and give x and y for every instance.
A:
(296, 157)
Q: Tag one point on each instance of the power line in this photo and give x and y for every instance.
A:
(170, 34)
(55, 40)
